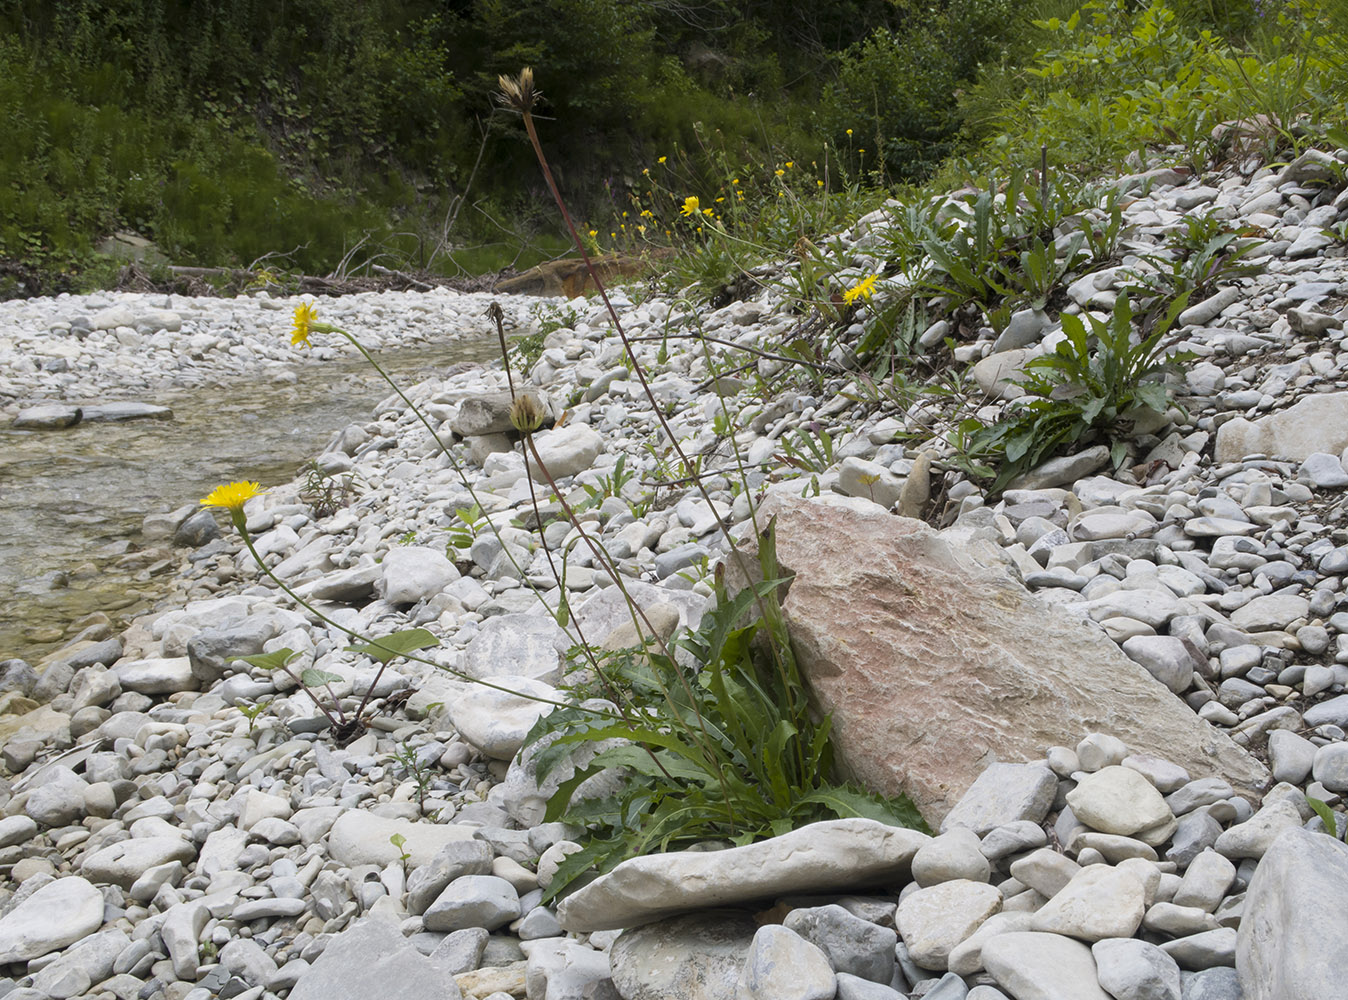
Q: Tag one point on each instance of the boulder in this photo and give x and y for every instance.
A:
(835, 855)
(935, 661)
(1287, 945)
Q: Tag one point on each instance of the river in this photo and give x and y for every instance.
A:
(70, 500)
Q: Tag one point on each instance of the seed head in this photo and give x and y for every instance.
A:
(526, 415)
(519, 93)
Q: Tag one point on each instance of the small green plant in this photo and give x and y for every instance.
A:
(809, 448)
(251, 712)
(327, 493)
(726, 749)
(609, 485)
(1092, 385)
(400, 842)
(1194, 273)
(1328, 818)
(420, 772)
(407, 538)
(527, 349)
(462, 535)
(382, 650)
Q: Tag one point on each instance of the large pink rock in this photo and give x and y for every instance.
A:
(935, 665)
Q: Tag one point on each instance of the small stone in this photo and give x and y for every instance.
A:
(1291, 756)
(698, 956)
(1206, 882)
(1136, 970)
(783, 966)
(1203, 951)
(473, 901)
(1099, 902)
(1001, 794)
(955, 854)
(1100, 750)
(1032, 965)
(933, 921)
(1118, 800)
(852, 945)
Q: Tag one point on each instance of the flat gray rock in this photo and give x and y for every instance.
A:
(47, 417)
(1002, 794)
(56, 916)
(359, 837)
(1316, 423)
(1033, 966)
(123, 863)
(835, 855)
(365, 960)
(118, 412)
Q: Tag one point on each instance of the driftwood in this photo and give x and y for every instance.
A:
(567, 277)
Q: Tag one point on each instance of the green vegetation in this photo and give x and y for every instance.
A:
(723, 750)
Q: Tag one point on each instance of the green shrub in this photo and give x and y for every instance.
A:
(1093, 385)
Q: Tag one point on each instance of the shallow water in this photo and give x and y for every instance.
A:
(70, 499)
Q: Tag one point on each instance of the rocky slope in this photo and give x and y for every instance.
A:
(159, 843)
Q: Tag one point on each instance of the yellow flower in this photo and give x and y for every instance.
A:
(594, 232)
(305, 318)
(863, 289)
(819, 183)
(790, 164)
(662, 159)
(849, 131)
(232, 496)
(779, 171)
(690, 206)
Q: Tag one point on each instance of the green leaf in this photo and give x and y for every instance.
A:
(1326, 815)
(397, 644)
(271, 661)
(313, 677)
(847, 802)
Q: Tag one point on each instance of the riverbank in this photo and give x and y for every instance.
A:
(232, 854)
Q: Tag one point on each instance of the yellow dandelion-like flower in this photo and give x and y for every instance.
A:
(662, 159)
(690, 206)
(863, 289)
(305, 318)
(779, 171)
(232, 496)
(646, 171)
(819, 183)
(849, 132)
(790, 164)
